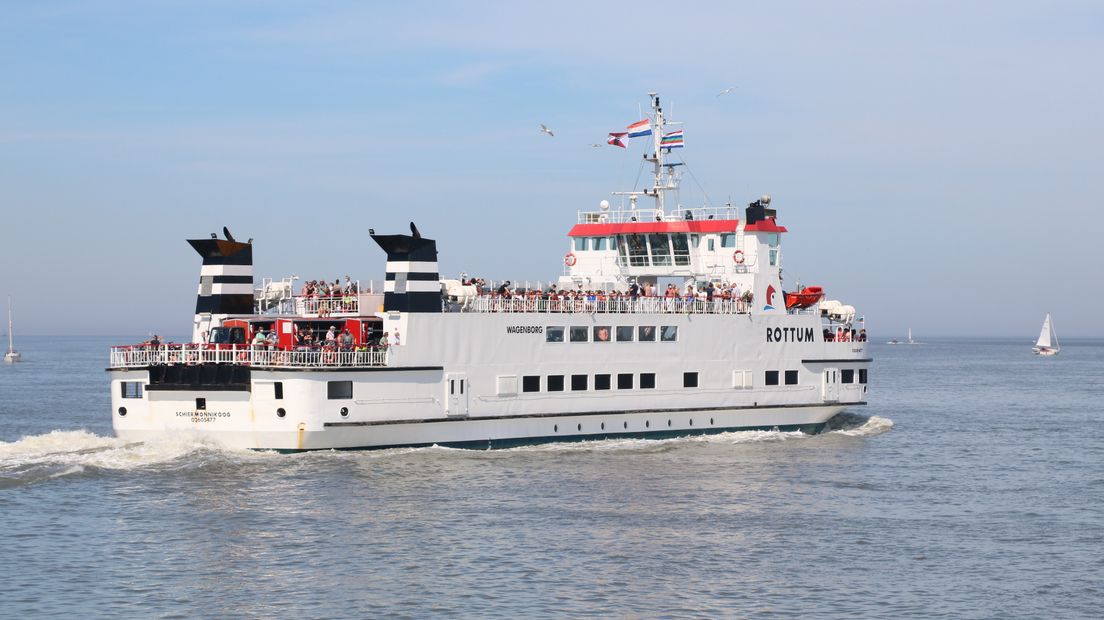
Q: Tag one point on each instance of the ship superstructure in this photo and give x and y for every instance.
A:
(666, 321)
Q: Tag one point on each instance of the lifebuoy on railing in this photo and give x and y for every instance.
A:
(738, 256)
(569, 260)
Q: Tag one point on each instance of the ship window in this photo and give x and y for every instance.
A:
(647, 380)
(689, 379)
(646, 333)
(728, 240)
(624, 333)
(681, 251)
(791, 377)
(773, 257)
(661, 249)
(338, 390)
(668, 333)
(862, 375)
(625, 381)
(507, 385)
(638, 250)
(599, 243)
(201, 404)
(578, 383)
(555, 383)
(709, 244)
(530, 383)
(601, 382)
(580, 244)
(131, 389)
(772, 240)
(579, 334)
(847, 375)
(278, 390)
(554, 334)
(602, 333)
(771, 377)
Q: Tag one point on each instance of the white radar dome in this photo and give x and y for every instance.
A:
(765, 199)
(604, 205)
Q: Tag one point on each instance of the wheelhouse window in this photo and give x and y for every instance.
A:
(600, 244)
(771, 377)
(625, 333)
(579, 334)
(728, 240)
(580, 244)
(339, 390)
(681, 250)
(661, 250)
(554, 334)
(638, 250)
(668, 333)
(791, 377)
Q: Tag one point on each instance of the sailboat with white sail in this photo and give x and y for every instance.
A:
(1047, 344)
(12, 356)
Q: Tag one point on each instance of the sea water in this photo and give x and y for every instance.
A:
(971, 486)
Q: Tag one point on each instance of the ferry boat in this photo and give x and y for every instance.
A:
(666, 321)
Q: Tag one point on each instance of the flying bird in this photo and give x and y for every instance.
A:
(726, 91)
(547, 130)
(597, 146)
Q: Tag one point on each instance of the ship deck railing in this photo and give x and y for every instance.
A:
(640, 305)
(320, 306)
(262, 356)
(621, 215)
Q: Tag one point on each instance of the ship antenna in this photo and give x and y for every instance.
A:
(657, 137)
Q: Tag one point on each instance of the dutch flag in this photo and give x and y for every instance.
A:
(640, 128)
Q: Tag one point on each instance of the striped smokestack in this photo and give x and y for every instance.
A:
(225, 281)
(413, 284)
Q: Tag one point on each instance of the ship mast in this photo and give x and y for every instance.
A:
(662, 178)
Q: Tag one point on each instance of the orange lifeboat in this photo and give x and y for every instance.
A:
(804, 298)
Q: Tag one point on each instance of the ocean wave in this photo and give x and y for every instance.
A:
(854, 425)
(59, 453)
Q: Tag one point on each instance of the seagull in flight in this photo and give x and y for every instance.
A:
(547, 130)
(597, 146)
(726, 91)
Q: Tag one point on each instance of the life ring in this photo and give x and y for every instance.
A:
(569, 260)
(738, 256)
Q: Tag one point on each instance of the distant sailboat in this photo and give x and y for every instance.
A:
(12, 356)
(1047, 344)
(910, 340)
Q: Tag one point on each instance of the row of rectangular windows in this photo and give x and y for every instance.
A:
(606, 333)
(601, 244)
(625, 381)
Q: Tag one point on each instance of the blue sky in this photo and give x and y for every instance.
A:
(937, 163)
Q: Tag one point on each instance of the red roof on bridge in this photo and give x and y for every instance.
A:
(691, 226)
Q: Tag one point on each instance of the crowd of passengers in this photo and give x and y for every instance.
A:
(708, 292)
(333, 338)
(330, 297)
(842, 334)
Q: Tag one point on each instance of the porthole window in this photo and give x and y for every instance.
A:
(344, 412)
(122, 411)
(579, 427)
(280, 412)
(647, 424)
(603, 426)
(556, 428)
(691, 422)
(625, 424)
(668, 422)
(711, 421)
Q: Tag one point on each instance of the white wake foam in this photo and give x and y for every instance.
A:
(64, 453)
(869, 427)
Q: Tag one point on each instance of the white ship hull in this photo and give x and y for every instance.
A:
(464, 386)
